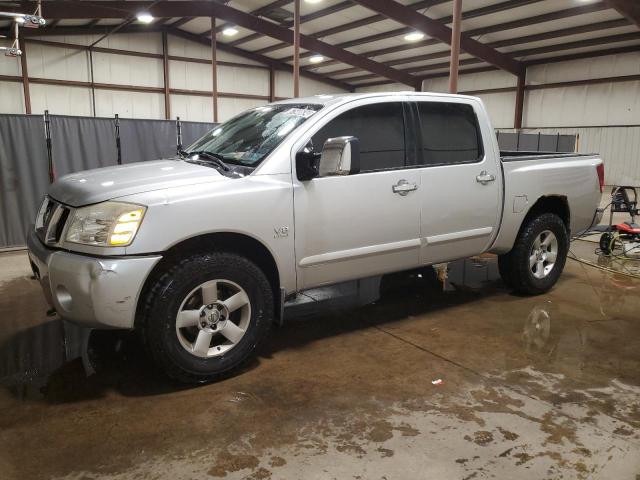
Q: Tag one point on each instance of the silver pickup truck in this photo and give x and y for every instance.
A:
(199, 252)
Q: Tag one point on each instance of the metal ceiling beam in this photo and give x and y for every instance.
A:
(257, 58)
(625, 37)
(181, 21)
(84, 30)
(484, 30)
(469, 14)
(627, 8)
(303, 19)
(398, 12)
(124, 9)
(258, 12)
(564, 32)
(581, 55)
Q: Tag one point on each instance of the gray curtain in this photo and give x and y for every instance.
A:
(78, 143)
(23, 175)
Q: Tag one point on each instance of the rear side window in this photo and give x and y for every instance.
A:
(380, 129)
(449, 133)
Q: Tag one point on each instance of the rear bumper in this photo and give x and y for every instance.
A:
(90, 291)
(597, 218)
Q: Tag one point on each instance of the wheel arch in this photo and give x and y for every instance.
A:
(231, 242)
(557, 204)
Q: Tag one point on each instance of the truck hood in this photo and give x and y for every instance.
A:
(100, 184)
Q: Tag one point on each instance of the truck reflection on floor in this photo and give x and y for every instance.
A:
(48, 360)
(60, 362)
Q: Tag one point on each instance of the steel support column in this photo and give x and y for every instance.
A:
(25, 76)
(214, 70)
(165, 67)
(296, 48)
(455, 46)
(520, 90)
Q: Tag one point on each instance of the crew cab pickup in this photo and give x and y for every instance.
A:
(199, 252)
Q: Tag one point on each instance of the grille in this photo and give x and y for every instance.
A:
(50, 225)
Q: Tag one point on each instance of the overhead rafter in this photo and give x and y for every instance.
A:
(398, 12)
(523, 22)
(625, 37)
(256, 58)
(564, 32)
(466, 15)
(258, 11)
(123, 9)
(303, 19)
(627, 8)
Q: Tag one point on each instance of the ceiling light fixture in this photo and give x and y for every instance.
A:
(144, 17)
(313, 1)
(414, 36)
(316, 58)
(230, 31)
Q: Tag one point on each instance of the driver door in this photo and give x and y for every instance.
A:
(353, 226)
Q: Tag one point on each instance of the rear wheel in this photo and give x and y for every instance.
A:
(538, 257)
(207, 315)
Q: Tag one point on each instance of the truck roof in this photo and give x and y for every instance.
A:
(335, 98)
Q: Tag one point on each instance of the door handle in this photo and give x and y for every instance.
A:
(403, 187)
(485, 177)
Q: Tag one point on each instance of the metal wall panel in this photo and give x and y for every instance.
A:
(127, 70)
(44, 61)
(128, 104)
(60, 99)
(192, 107)
(11, 97)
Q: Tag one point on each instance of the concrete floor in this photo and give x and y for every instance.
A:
(545, 387)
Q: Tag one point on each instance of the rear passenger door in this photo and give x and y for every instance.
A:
(349, 227)
(460, 182)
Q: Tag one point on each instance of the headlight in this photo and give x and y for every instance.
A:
(108, 224)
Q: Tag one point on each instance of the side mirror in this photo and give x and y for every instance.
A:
(307, 164)
(340, 156)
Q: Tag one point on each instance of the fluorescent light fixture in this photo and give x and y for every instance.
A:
(414, 36)
(144, 17)
(316, 58)
(313, 1)
(230, 31)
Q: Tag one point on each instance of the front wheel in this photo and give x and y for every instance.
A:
(538, 257)
(206, 316)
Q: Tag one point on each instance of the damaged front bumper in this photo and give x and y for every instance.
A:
(90, 291)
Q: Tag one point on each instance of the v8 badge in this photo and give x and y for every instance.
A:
(281, 232)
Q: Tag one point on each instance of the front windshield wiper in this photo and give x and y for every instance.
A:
(214, 158)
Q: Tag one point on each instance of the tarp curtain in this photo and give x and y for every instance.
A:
(78, 143)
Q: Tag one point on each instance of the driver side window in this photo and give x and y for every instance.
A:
(380, 129)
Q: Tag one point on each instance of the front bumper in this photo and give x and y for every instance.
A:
(90, 291)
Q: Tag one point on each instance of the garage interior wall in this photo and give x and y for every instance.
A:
(605, 116)
(250, 82)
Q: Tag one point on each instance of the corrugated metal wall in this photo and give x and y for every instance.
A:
(52, 62)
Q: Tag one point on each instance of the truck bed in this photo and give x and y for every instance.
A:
(515, 156)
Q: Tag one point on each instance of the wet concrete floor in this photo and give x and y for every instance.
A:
(532, 388)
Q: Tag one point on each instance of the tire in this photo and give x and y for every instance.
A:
(606, 241)
(516, 266)
(200, 344)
